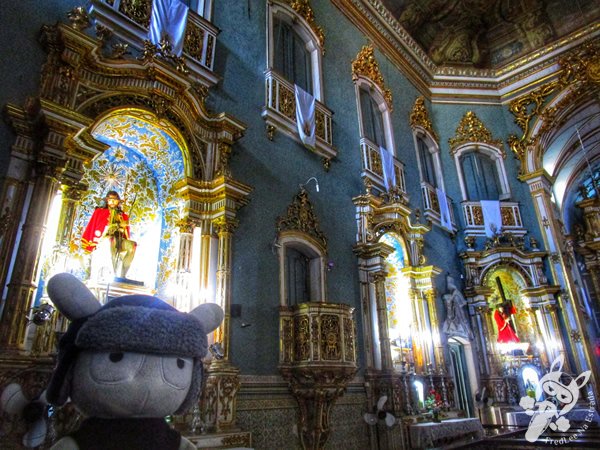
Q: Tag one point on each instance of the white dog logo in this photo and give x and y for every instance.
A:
(547, 413)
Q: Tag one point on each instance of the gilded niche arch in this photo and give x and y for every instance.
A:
(145, 160)
(542, 111)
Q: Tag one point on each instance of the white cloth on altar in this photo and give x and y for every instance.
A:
(387, 166)
(445, 218)
(305, 117)
(169, 18)
(492, 218)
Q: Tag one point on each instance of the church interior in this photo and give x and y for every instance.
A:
(394, 202)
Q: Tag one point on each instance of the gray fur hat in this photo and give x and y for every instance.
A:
(133, 323)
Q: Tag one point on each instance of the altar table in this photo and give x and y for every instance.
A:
(444, 433)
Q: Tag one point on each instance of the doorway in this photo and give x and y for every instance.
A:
(462, 389)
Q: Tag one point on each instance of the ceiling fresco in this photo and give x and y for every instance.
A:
(489, 33)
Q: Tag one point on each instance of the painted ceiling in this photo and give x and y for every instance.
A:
(489, 33)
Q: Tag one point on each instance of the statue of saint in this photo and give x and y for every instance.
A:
(110, 221)
(456, 323)
(506, 333)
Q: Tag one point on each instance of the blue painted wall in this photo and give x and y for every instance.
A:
(22, 56)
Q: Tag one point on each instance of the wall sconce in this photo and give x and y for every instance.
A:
(308, 181)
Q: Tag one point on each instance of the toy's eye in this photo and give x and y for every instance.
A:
(114, 367)
(115, 356)
(177, 371)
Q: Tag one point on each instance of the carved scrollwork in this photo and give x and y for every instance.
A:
(300, 216)
(302, 7)
(419, 117)
(366, 65)
(472, 129)
(137, 10)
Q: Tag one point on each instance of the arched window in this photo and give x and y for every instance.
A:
(480, 176)
(482, 173)
(294, 50)
(374, 116)
(291, 57)
(427, 164)
(302, 269)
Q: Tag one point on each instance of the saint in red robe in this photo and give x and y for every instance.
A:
(96, 228)
(506, 333)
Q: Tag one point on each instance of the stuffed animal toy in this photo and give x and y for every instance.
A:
(126, 365)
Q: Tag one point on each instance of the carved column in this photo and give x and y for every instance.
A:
(371, 265)
(224, 228)
(222, 382)
(540, 187)
(438, 350)
(19, 300)
(481, 324)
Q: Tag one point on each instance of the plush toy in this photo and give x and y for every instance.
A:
(126, 365)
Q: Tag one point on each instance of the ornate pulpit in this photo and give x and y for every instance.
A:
(317, 358)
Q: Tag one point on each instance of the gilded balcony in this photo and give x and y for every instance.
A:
(510, 212)
(129, 21)
(280, 113)
(373, 169)
(431, 205)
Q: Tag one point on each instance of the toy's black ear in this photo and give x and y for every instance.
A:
(71, 296)
(210, 314)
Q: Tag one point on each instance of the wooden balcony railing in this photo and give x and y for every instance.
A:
(372, 168)
(129, 20)
(510, 212)
(280, 112)
(432, 204)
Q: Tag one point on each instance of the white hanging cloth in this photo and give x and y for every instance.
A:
(445, 218)
(169, 18)
(387, 166)
(492, 218)
(305, 117)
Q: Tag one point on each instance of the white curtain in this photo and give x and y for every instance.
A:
(445, 219)
(305, 117)
(387, 164)
(492, 218)
(168, 19)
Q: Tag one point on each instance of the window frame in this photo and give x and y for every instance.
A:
(303, 30)
(377, 95)
(496, 157)
(420, 134)
(316, 256)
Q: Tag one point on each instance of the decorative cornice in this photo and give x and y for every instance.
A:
(580, 67)
(302, 8)
(492, 85)
(419, 117)
(366, 65)
(300, 216)
(471, 129)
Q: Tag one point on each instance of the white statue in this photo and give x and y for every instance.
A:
(456, 323)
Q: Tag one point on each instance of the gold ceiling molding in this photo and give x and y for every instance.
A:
(302, 8)
(366, 65)
(581, 67)
(300, 216)
(471, 129)
(419, 117)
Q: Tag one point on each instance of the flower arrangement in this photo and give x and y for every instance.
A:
(433, 404)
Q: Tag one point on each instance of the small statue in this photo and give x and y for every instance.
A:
(110, 221)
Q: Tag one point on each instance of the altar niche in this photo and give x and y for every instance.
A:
(143, 161)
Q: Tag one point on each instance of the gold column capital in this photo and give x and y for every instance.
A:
(225, 224)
